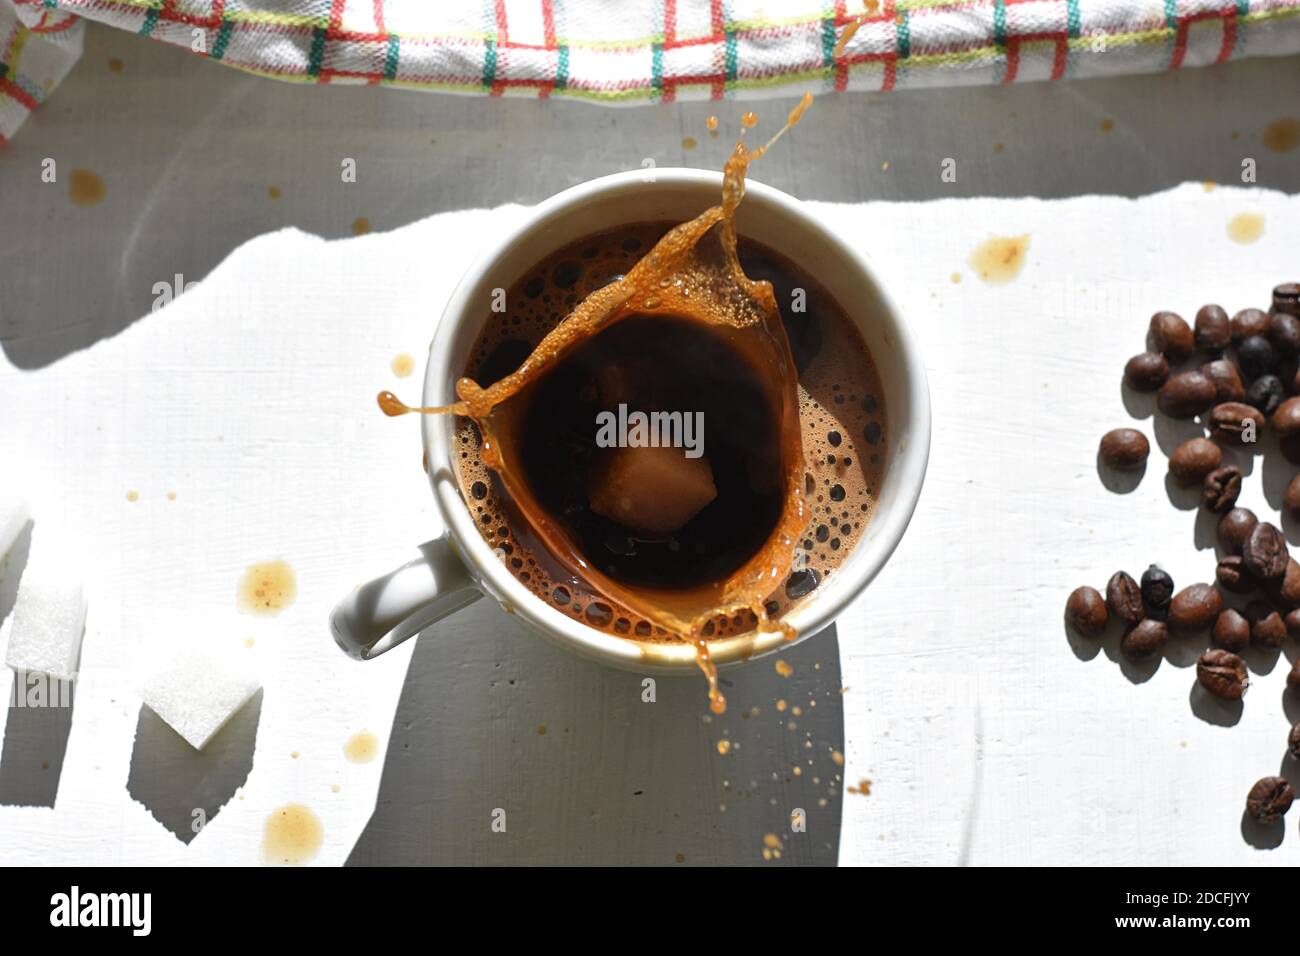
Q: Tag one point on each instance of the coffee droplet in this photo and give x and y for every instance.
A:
(688, 142)
(392, 406)
(274, 192)
(724, 747)
(85, 188)
(361, 747)
(1000, 259)
(1107, 125)
(1282, 135)
(292, 836)
(1246, 227)
(403, 365)
(267, 588)
(360, 226)
(115, 65)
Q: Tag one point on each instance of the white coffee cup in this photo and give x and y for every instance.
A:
(459, 567)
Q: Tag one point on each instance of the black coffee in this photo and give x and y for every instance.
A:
(666, 366)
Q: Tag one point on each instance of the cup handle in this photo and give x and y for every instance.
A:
(383, 613)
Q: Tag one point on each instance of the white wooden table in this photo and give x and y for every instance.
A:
(987, 734)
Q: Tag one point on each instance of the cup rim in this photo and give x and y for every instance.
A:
(809, 617)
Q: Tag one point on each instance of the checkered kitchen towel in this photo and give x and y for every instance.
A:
(643, 51)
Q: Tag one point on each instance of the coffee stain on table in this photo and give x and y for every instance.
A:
(1107, 125)
(267, 588)
(360, 226)
(1282, 135)
(1246, 227)
(403, 364)
(133, 495)
(772, 846)
(85, 188)
(274, 192)
(292, 836)
(1000, 259)
(115, 64)
(361, 747)
(689, 142)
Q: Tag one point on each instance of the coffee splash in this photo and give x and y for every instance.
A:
(693, 273)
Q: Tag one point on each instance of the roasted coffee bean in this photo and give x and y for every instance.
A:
(1223, 674)
(1085, 611)
(1124, 598)
(1248, 322)
(1231, 630)
(1292, 621)
(1293, 742)
(1146, 639)
(1194, 459)
(1284, 332)
(1256, 356)
(1290, 448)
(1235, 423)
(1232, 574)
(1286, 298)
(1266, 393)
(1235, 527)
(1168, 333)
(1220, 489)
(1213, 328)
(1285, 592)
(1270, 799)
(1146, 371)
(1124, 448)
(1293, 677)
(1286, 418)
(1291, 498)
(1186, 394)
(1157, 591)
(1227, 380)
(1194, 609)
(1286, 370)
(1267, 630)
(1265, 552)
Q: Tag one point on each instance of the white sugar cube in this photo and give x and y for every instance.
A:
(13, 518)
(196, 692)
(48, 622)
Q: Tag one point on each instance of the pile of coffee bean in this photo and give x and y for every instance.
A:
(1238, 377)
